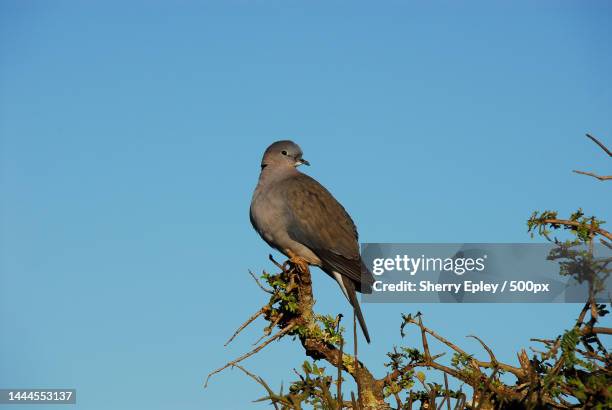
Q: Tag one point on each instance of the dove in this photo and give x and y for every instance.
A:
(297, 216)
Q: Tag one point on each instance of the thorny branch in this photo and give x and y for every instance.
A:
(291, 307)
(322, 339)
(561, 376)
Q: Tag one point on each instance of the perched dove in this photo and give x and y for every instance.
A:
(296, 215)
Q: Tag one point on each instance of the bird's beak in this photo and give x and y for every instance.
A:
(301, 161)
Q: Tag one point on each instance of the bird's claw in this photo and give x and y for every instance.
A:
(299, 264)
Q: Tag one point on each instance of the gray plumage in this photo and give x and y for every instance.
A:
(296, 215)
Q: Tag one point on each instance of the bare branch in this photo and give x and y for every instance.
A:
(269, 329)
(244, 325)
(601, 145)
(359, 386)
(339, 364)
(600, 177)
(489, 351)
(426, 352)
(519, 373)
(278, 265)
(262, 287)
(597, 330)
(278, 335)
(448, 399)
(260, 381)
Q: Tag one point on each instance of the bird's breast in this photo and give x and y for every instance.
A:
(269, 216)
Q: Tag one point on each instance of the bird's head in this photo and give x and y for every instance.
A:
(283, 154)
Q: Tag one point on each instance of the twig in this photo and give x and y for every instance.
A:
(269, 329)
(428, 361)
(601, 145)
(460, 404)
(278, 265)
(278, 335)
(260, 381)
(545, 341)
(426, 352)
(270, 291)
(583, 312)
(440, 338)
(353, 401)
(519, 373)
(398, 401)
(339, 382)
(600, 177)
(244, 325)
(607, 151)
(359, 392)
(489, 351)
(448, 399)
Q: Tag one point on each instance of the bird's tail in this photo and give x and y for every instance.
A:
(352, 297)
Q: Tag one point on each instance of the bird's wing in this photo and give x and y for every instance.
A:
(320, 223)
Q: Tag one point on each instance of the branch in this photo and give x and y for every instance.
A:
(268, 330)
(518, 372)
(601, 145)
(339, 364)
(290, 308)
(596, 330)
(494, 361)
(259, 283)
(600, 177)
(244, 325)
(607, 151)
(261, 381)
(234, 362)
(566, 222)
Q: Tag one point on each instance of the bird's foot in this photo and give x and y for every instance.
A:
(299, 263)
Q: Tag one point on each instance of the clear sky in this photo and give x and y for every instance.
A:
(130, 140)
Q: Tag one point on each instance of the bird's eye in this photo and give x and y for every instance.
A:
(284, 152)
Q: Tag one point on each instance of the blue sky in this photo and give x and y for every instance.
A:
(130, 141)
